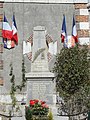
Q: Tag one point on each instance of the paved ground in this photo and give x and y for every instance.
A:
(6, 98)
(54, 110)
(60, 118)
(56, 117)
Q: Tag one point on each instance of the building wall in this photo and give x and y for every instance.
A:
(29, 15)
(82, 19)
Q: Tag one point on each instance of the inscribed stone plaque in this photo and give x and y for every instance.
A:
(41, 90)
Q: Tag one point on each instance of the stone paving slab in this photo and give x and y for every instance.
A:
(60, 118)
(18, 118)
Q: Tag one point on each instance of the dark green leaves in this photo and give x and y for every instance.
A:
(72, 68)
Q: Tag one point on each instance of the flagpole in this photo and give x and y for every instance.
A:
(12, 49)
(64, 32)
(23, 33)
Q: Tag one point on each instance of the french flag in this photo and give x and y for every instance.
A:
(74, 31)
(14, 30)
(63, 32)
(8, 44)
(6, 30)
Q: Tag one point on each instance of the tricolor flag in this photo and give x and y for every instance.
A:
(6, 30)
(55, 48)
(71, 42)
(8, 44)
(50, 50)
(63, 32)
(26, 47)
(14, 30)
(74, 31)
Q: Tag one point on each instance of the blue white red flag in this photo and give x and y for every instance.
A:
(74, 31)
(63, 32)
(14, 30)
(8, 44)
(26, 47)
(55, 47)
(6, 30)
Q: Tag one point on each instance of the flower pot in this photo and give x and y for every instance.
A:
(37, 110)
(37, 117)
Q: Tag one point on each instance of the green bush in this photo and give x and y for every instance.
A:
(50, 115)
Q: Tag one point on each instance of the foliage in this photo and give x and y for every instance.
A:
(13, 90)
(50, 115)
(37, 108)
(23, 82)
(72, 69)
(28, 113)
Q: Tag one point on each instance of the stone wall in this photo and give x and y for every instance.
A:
(32, 13)
(29, 15)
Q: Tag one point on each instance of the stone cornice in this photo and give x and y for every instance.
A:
(39, 75)
(48, 1)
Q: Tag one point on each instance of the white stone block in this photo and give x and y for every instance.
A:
(60, 1)
(84, 25)
(84, 41)
(54, 99)
(49, 1)
(36, 1)
(80, 1)
(84, 12)
(39, 1)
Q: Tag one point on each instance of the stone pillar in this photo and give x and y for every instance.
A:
(40, 80)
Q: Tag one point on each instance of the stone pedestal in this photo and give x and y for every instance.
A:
(40, 86)
(40, 79)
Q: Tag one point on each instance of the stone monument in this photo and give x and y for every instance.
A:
(40, 79)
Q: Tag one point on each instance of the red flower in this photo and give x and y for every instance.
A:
(32, 102)
(36, 101)
(45, 106)
(43, 102)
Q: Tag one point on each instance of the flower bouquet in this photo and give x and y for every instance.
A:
(37, 110)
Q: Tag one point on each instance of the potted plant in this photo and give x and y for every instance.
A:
(37, 110)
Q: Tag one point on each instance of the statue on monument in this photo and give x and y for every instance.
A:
(41, 45)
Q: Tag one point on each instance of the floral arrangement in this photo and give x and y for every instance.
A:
(37, 109)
